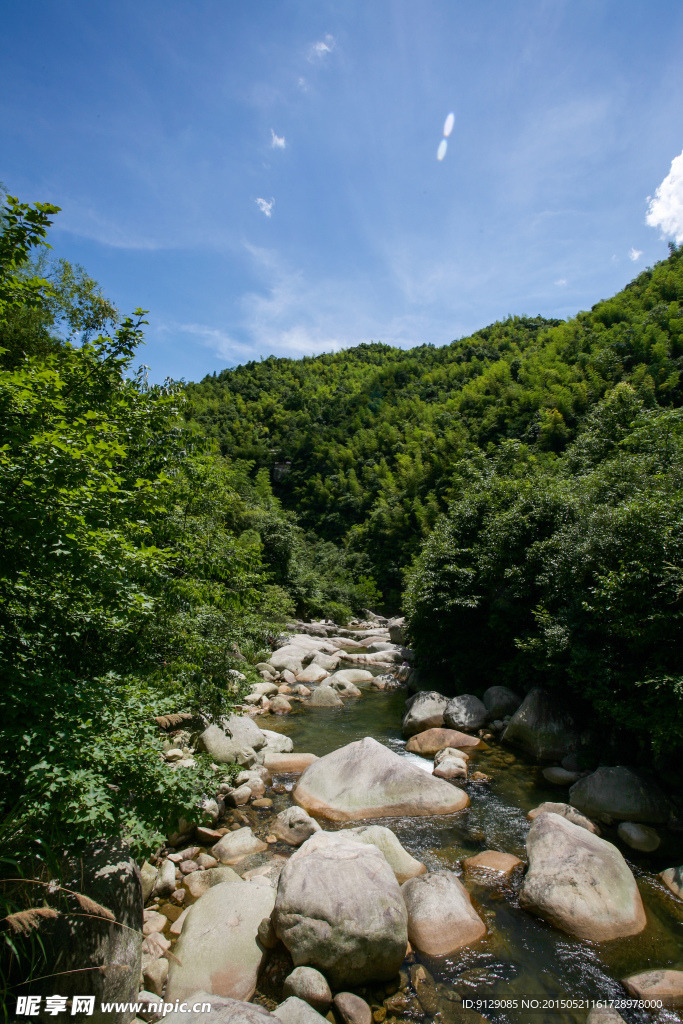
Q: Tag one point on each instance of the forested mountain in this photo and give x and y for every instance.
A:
(370, 445)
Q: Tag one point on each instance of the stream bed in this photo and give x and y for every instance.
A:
(521, 956)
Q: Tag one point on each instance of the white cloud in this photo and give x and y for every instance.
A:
(562, 282)
(319, 50)
(265, 205)
(634, 254)
(302, 83)
(277, 141)
(666, 207)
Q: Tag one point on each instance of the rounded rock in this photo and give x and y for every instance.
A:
(310, 985)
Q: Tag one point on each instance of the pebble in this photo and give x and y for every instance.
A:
(639, 837)
(271, 839)
(178, 896)
(188, 866)
(262, 801)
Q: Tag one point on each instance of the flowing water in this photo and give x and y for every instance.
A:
(522, 956)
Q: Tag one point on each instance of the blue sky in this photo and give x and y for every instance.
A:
(263, 177)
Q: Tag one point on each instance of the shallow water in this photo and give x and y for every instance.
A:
(521, 955)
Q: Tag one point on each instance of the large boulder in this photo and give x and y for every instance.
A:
(294, 826)
(312, 674)
(244, 731)
(664, 985)
(325, 697)
(579, 882)
(351, 675)
(343, 688)
(431, 741)
(223, 749)
(76, 944)
(396, 630)
(399, 860)
(277, 743)
(367, 780)
(465, 712)
(441, 917)
(619, 794)
(288, 764)
(543, 727)
(198, 882)
(499, 701)
(218, 948)
(566, 811)
(424, 711)
(235, 845)
(360, 935)
(222, 1011)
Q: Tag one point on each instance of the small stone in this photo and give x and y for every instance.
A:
(153, 922)
(310, 985)
(490, 865)
(280, 705)
(205, 860)
(639, 837)
(233, 847)
(479, 777)
(171, 911)
(262, 801)
(178, 896)
(352, 1009)
(271, 839)
(666, 985)
(239, 796)
(207, 836)
(188, 866)
(156, 944)
(673, 879)
(155, 975)
(233, 828)
(174, 755)
(152, 1006)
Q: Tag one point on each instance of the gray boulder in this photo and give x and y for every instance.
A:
(325, 697)
(277, 743)
(397, 631)
(343, 688)
(310, 985)
(358, 936)
(565, 811)
(235, 845)
(639, 837)
(441, 917)
(294, 826)
(579, 882)
(465, 712)
(499, 701)
(218, 949)
(399, 860)
(367, 780)
(74, 945)
(245, 731)
(224, 750)
(296, 1011)
(223, 1011)
(543, 727)
(424, 711)
(620, 794)
(350, 675)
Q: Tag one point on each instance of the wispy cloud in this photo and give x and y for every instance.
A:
(634, 254)
(265, 206)
(666, 206)
(277, 141)
(320, 50)
(562, 282)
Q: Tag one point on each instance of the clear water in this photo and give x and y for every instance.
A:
(521, 955)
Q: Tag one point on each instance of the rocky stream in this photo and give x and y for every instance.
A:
(392, 855)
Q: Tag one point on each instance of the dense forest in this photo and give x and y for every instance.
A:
(522, 485)
(516, 492)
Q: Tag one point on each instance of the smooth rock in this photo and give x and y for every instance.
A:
(150, 1006)
(620, 794)
(579, 882)
(325, 697)
(283, 662)
(352, 1009)
(153, 922)
(218, 949)
(264, 689)
(451, 768)
(277, 743)
(466, 713)
(310, 985)
(199, 882)
(396, 630)
(361, 934)
(177, 926)
(148, 876)
(237, 797)
(431, 741)
(565, 811)
(604, 1015)
(441, 917)
(312, 674)
(222, 749)
(666, 985)
(155, 975)
(492, 864)
(223, 1011)
(365, 779)
(296, 1011)
(351, 675)
(399, 860)
(244, 731)
(639, 837)
(673, 879)
(235, 845)
(560, 776)
(543, 727)
(294, 826)
(424, 711)
(288, 764)
(165, 883)
(344, 689)
(280, 705)
(445, 752)
(329, 662)
(499, 701)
